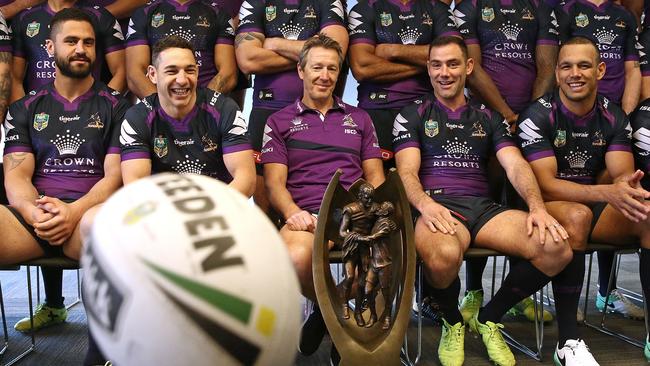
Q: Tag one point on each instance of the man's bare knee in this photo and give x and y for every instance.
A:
(577, 223)
(552, 257)
(442, 264)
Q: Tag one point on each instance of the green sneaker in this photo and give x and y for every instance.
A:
(496, 346)
(526, 307)
(470, 304)
(451, 350)
(44, 316)
(646, 349)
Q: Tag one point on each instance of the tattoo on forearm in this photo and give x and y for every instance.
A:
(636, 64)
(16, 159)
(247, 37)
(5, 57)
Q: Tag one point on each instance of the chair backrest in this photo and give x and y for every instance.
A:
(3, 194)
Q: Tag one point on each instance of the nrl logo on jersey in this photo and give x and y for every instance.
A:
(386, 19)
(160, 146)
(32, 29)
(157, 20)
(582, 20)
(271, 12)
(95, 121)
(41, 121)
(560, 138)
(487, 14)
(431, 128)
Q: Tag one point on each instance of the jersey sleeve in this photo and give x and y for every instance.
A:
(137, 32)
(501, 136)
(234, 128)
(640, 121)
(369, 142)
(113, 140)
(465, 16)
(109, 31)
(251, 17)
(135, 135)
(533, 133)
(16, 128)
(563, 14)
(18, 32)
(548, 27)
(226, 29)
(444, 23)
(622, 133)
(405, 129)
(332, 13)
(361, 24)
(630, 52)
(274, 149)
(5, 35)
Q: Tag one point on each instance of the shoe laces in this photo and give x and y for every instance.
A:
(580, 349)
(495, 337)
(474, 297)
(454, 336)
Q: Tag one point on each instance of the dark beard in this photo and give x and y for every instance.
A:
(66, 69)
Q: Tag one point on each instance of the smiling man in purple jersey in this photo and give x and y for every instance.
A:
(61, 158)
(440, 140)
(304, 144)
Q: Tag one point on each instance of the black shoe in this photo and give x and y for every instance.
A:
(430, 310)
(335, 358)
(313, 331)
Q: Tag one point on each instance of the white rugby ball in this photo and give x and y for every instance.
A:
(182, 270)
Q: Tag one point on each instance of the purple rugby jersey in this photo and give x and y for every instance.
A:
(508, 32)
(391, 22)
(612, 28)
(289, 19)
(640, 122)
(5, 36)
(454, 145)
(200, 23)
(196, 144)
(69, 140)
(31, 29)
(547, 128)
(231, 7)
(313, 146)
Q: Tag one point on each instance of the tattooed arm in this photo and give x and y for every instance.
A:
(5, 82)
(22, 195)
(226, 78)
(253, 58)
(14, 7)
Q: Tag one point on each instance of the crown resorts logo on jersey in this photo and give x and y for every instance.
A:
(386, 19)
(41, 120)
(67, 144)
(271, 12)
(560, 138)
(157, 20)
(189, 166)
(160, 146)
(582, 20)
(487, 14)
(431, 128)
(32, 29)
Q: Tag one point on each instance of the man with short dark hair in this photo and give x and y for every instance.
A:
(61, 157)
(304, 144)
(441, 139)
(570, 136)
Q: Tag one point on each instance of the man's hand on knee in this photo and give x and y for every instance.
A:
(438, 218)
(302, 221)
(544, 221)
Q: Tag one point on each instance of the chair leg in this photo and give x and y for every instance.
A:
(4, 323)
(405, 355)
(32, 346)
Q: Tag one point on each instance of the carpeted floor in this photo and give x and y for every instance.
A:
(66, 344)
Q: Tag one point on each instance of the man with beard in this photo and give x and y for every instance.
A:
(61, 157)
(570, 136)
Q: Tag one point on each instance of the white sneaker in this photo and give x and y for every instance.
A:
(574, 353)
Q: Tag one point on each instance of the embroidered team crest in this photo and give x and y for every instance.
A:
(431, 128)
(527, 15)
(95, 121)
(582, 20)
(598, 139)
(621, 24)
(477, 130)
(426, 19)
(487, 14)
(386, 19)
(208, 144)
(41, 121)
(309, 12)
(202, 22)
(157, 20)
(32, 29)
(348, 121)
(160, 147)
(271, 11)
(560, 138)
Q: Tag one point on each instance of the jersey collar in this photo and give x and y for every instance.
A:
(301, 108)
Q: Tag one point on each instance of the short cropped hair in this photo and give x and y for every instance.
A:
(447, 40)
(582, 40)
(322, 41)
(166, 43)
(68, 14)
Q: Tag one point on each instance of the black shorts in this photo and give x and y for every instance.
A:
(473, 212)
(256, 123)
(383, 120)
(597, 210)
(49, 249)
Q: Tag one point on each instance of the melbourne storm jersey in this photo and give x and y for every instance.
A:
(289, 19)
(231, 7)
(198, 22)
(640, 121)
(508, 32)
(612, 28)
(69, 140)
(313, 146)
(454, 145)
(579, 144)
(391, 22)
(196, 144)
(31, 29)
